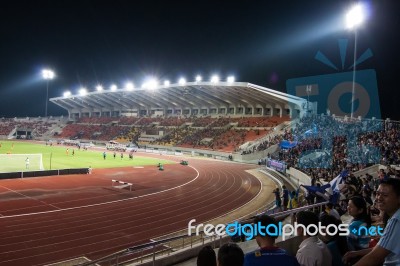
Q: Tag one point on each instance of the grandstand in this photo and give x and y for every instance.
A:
(189, 99)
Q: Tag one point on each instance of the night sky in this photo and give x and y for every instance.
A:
(262, 42)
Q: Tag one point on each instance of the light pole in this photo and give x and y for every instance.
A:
(47, 74)
(354, 18)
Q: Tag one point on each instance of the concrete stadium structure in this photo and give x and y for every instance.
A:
(191, 98)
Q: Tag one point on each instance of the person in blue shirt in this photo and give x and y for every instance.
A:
(358, 239)
(268, 253)
(387, 251)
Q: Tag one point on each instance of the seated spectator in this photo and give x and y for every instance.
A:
(207, 257)
(358, 209)
(230, 254)
(332, 211)
(387, 251)
(312, 251)
(268, 254)
(336, 244)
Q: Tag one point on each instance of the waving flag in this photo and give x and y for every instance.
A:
(334, 184)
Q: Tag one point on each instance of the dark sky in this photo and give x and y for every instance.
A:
(262, 42)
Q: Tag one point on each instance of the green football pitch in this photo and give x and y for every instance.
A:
(13, 156)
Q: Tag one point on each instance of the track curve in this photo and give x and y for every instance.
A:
(162, 202)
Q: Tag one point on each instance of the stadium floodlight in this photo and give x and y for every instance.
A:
(231, 79)
(198, 78)
(214, 79)
(129, 86)
(48, 75)
(182, 81)
(113, 87)
(67, 94)
(166, 83)
(82, 91)
(152, 84)
(99, 88)
(354, 18)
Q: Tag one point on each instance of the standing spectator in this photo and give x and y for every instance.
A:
(268, 254)
(312, 251)
(104, 155)
(285, 197)
(387, 251)
(278, 202)
(230, 254)
(206, 257)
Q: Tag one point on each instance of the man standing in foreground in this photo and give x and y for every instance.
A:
(387, 251)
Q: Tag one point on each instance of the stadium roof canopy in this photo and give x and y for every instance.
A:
(192, 98)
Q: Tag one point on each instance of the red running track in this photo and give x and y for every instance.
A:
(82, 215)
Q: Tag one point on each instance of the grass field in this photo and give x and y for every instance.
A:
(57, 156)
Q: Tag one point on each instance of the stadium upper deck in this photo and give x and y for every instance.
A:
(192, 98)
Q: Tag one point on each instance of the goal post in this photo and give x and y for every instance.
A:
(21, 162)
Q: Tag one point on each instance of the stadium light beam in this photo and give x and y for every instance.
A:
(113, 87)
(152, 84)
(82, 91)
(354, 18)
(129, 86)
(99, 88)
(166, 83)
(67, 94)
(198, 78)
(214, 79)
(231, 79)
(182, 81)
(48, 75)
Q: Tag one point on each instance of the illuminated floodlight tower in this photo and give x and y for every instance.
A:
(354, 18)
(48, 75)
(230, 79)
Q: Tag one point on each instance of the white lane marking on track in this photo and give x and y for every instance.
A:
(99, 204)
(29, 198)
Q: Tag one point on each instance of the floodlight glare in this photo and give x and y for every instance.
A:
(355, 16)
(129, 86)
(99, 88)
(214, 79)
(67, 94)
(113, 87)
(82, 91)
(231, 79)
(182, 81)
(166, 83)
(198, 78)
(48, 74)
(152, 84)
